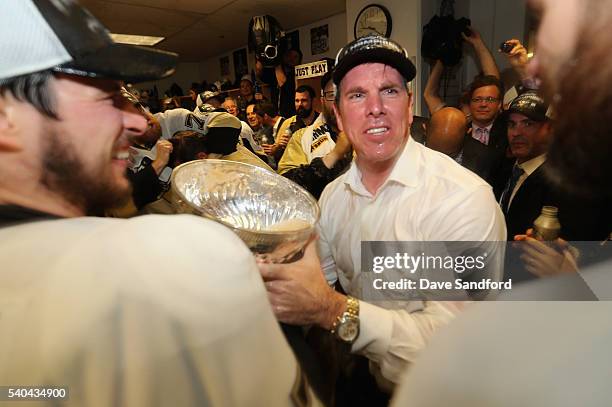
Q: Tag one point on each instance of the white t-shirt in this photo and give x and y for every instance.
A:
(151, 311)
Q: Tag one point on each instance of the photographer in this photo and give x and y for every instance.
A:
(281, 79)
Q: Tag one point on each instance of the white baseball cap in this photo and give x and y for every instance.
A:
(63, 36)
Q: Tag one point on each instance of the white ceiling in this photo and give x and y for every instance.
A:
(199, 29)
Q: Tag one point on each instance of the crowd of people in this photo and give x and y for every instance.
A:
(107, 291)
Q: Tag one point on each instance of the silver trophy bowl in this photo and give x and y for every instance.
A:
(274, 216)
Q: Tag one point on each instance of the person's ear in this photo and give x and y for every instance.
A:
(9, 137)
(410, 107)
(547, 127)
(338, 116)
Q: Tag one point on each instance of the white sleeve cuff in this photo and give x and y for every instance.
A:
(376, 328)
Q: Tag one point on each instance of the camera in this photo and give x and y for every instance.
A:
(463, 25)
(265, 34)
(442, 39)
(506, 47)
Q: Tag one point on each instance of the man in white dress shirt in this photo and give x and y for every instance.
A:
(395, 190)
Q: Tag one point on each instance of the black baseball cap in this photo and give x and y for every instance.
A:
(531, 105)
(63, 36)
(373, 48)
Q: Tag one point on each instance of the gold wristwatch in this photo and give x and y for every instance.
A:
(346, 326)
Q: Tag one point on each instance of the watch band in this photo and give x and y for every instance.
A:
(352, 311)
(352, 306)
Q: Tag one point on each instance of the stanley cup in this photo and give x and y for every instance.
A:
(274, 216)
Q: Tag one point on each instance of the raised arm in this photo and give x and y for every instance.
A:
(485, 58)
(432, 89)
(517, 57)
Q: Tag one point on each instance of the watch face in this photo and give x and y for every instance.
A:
(373, 19)
(348, 330)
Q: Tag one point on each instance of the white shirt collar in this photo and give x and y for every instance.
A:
(404, 172)
(531, 165)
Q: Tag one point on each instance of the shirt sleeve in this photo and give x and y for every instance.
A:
(170, 120)
(294, 155)
(328, 265)
(475, 217)
(285, 125)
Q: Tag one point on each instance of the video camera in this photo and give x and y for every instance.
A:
(265, 40)
(442, 39)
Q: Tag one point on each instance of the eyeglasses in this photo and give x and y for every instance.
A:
(489, 100)
(330, 95)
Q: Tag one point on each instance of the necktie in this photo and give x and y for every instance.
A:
(516, 174)
(482, 134)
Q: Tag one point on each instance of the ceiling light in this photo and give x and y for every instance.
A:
(136, 39)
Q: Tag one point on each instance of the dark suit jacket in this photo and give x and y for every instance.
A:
(498, 136)
(478, 158)
(581, 218)
(492, 162)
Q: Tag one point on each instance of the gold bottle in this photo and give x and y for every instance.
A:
(547, 226)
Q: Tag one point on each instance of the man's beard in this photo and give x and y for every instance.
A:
(64, 174)
(303, 113)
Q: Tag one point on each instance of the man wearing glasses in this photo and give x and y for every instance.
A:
(485, 103)
(317, 154)
(489, 127)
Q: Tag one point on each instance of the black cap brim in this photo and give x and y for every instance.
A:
(128, 63)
